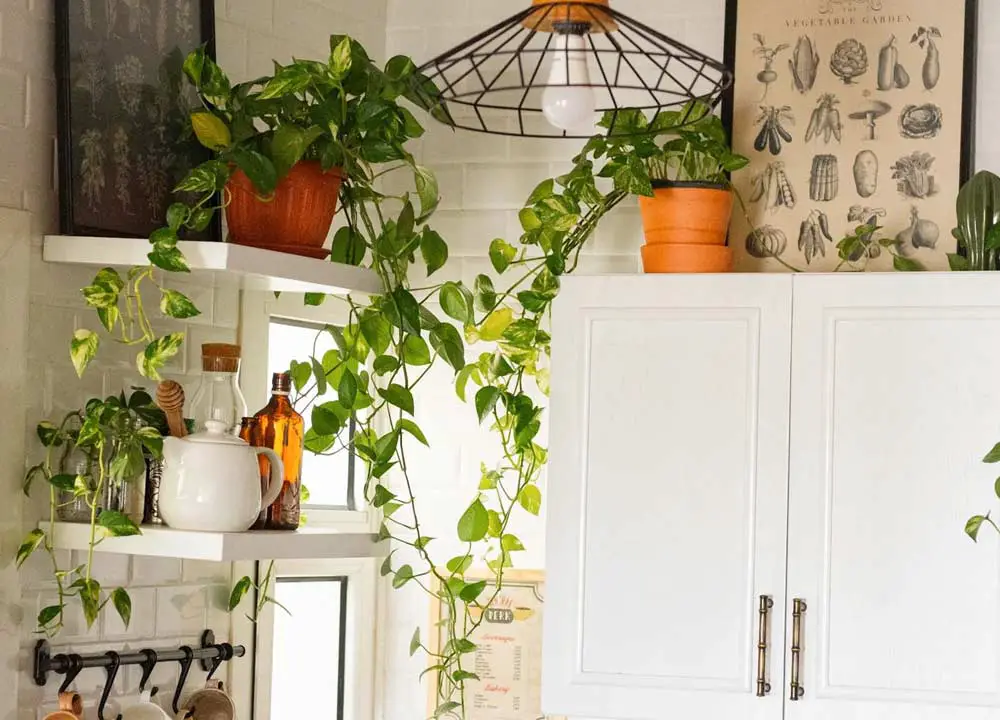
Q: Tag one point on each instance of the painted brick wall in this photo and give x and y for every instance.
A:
(484, 181)
(173, 601)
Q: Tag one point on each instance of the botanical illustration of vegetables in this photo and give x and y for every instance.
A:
(92, 74)
(161, 25)
(88, 14)
(773, 187)
(123, 168)
(866, 173)
(825, 120)
(914, 175)
(890, 73)
(924, 37)
(767, 76)
(154, 177)
(772, 131)
(814, 233)
(849, 61)
(183, 17)
(804, 64)
(129, 80)
(111, 13)
(92, 167)
(866, 245)
(766, 242)
(824, 180)
(138, 16)
(921, 122)
(920, 234)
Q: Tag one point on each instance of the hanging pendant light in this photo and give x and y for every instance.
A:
(560, 66)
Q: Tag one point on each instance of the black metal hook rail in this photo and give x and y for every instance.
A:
(210, 654)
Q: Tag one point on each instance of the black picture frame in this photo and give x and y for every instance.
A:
(966, 147)
(99, 218)
(970, 79)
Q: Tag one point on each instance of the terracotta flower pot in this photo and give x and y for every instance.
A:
(296, 219)
(687, 214)
(686, 259)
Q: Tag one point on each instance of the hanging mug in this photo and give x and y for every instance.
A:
(70, 707)
(145, 709)
(209, 703)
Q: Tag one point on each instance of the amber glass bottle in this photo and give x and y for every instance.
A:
(280, 428)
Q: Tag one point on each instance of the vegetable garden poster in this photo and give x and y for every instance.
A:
(857, 120)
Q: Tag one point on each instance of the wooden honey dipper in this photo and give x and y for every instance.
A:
(170, 398)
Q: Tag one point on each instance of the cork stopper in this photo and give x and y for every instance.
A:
(220, 357)
(281, 383)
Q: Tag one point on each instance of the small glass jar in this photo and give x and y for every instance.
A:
(218, 396)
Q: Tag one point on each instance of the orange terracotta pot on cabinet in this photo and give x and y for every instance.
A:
(661, 259)
(296, 219)
(687, 214)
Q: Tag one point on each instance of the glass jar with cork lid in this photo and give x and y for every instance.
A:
(218, 396)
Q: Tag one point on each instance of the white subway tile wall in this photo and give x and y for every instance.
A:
(173, 601)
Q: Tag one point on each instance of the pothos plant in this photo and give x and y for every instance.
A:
(88, 453)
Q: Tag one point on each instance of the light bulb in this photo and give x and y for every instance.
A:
(568, 101)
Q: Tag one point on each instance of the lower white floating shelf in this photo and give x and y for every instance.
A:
(159, 541)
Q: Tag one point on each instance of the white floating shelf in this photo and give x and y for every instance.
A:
(256, 269)
(305, 544)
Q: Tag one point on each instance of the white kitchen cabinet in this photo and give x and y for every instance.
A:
(707, 449)
(895, 399)
(666, 504)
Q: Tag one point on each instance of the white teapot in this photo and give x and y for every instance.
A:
(211, 481)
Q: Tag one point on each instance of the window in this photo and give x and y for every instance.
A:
(321, 653)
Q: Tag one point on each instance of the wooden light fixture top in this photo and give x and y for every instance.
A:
(544, 19)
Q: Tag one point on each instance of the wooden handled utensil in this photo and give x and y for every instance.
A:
(170, 398)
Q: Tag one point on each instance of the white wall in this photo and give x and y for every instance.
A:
(173, 601)
(484, 181)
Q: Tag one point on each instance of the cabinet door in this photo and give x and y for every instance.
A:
(895, 400)
(666, 500)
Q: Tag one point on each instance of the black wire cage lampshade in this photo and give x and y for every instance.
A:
(559, 66)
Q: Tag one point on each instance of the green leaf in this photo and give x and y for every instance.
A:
(340, 58)
(958, 263)
(447, 342)
(399, 396)
(486, 296)
(427, 190)
(301, 373)
(993, 456)
(83, 349)
(381, 496)
(496, 526)
(460, 676)
(123, 605)
(316, 443)
(532, 301)
(240, 589)
(290, 143)
(445, 708)
(48, 434)
(211, 131)
(405, 222)
(415, 642)
(530, 498)
(409, 310)
(348, 247)
(194, 64)
(376, 331)
(502, 254)
(902, 264)
(511, 543)
(109, 317)
(529, 220)
(319, 373)
(474, 523)
(415, 351)
(544, 190)
(459, 564)
(495, 324)
(996, 487)
(177, 215)
(48, 614)
(385, 364)
(258, 168)
(974, 525)
(434, 250)
(457, 302)
(407, 425)
(90, 597)
(471, 592)
(29, 545)
(157, 353)
(327, 419)
(314, 299)
(347, 392)
(177, 305)
(117, 524)
(63, 482)
(386, 567)
(486, 401)
(167, 258)
(462, 380)
(403, 576)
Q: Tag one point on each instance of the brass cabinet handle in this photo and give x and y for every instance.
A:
(798, 610)
(763, 686)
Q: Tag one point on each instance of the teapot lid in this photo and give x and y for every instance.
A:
(215, 433)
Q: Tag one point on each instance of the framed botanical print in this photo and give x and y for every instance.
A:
(858, 118)
(123, 107)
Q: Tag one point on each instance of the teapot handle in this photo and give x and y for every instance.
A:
(276, 479)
